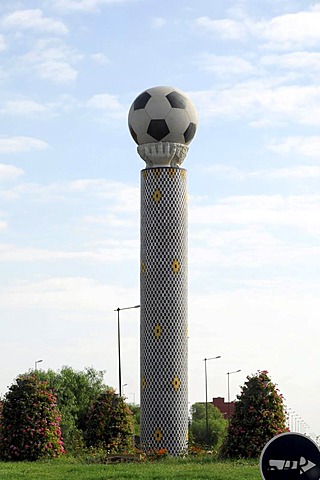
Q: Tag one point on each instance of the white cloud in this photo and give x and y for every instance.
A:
(298, 145)
(52, 60)
(261, 102)
(118, 196)
(3, 44)
(249, 247)
(294, 211)
(23, 107)
(226, 28)
(125, 197)
(298, 172)
(33, 20)
(292, 172)
(9, 172)
(307, 61)
(294, 30)
(111, 220)
(21, 144)
(226, 171)
(159, 22)
(110, 252)
(100, 58)
(225, 64)
(107, 103)
(83, 5)
(62, 293)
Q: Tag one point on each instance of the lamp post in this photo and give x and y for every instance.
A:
(36, 363)
(288, 412)
(119, 351)
(293, 413)
(228, 374)
(124, 385)
(206, 388)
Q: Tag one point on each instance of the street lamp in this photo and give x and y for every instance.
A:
(206, 386)
(36, 363)
(119, 352)
(230, 373)
(292, 415)
(124, 385)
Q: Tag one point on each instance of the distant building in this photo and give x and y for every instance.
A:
(227, 409)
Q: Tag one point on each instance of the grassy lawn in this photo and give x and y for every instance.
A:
(170, 469)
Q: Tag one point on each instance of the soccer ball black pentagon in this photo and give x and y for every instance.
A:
(162, 114)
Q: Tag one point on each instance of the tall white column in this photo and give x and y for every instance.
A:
(164, 299)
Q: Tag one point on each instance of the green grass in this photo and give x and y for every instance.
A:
(169, 469)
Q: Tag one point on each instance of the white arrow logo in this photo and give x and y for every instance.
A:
(303, 465)
(306, 466)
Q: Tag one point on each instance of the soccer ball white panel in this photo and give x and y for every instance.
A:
(162, 114)
(192, 113)
(177, 121)
(158, 107)
(139, 126)
(141, 118)
(174, 137)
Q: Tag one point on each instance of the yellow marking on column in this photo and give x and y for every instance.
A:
(157, 196)
(143, 383)
(157, 330)
(172, 172)
(158, 435)
(175, 265)
(143, 267)
(157, 173)
(176, 383)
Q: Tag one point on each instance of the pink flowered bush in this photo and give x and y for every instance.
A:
(30, 421)
(259, 415)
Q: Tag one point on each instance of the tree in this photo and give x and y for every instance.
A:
(217, 426)
(109, 423)
(135, 410)
(30, 421)
(75, 391)
(259, 415)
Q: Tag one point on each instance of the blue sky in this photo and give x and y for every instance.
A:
(69, 186)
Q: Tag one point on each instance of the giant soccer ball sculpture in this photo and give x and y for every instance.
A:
(163, 121)
(162, 114)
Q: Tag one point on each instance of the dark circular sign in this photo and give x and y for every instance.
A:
(290, 456)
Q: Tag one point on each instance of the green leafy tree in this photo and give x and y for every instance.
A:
(75, 391)
(259, 415)
(135, 410)
(30, 421)
(217, 426)
(109, 423)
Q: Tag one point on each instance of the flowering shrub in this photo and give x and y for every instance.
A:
(195, 450)
(258, 416)
(155, 454)
(30, 421)
(109, 423)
